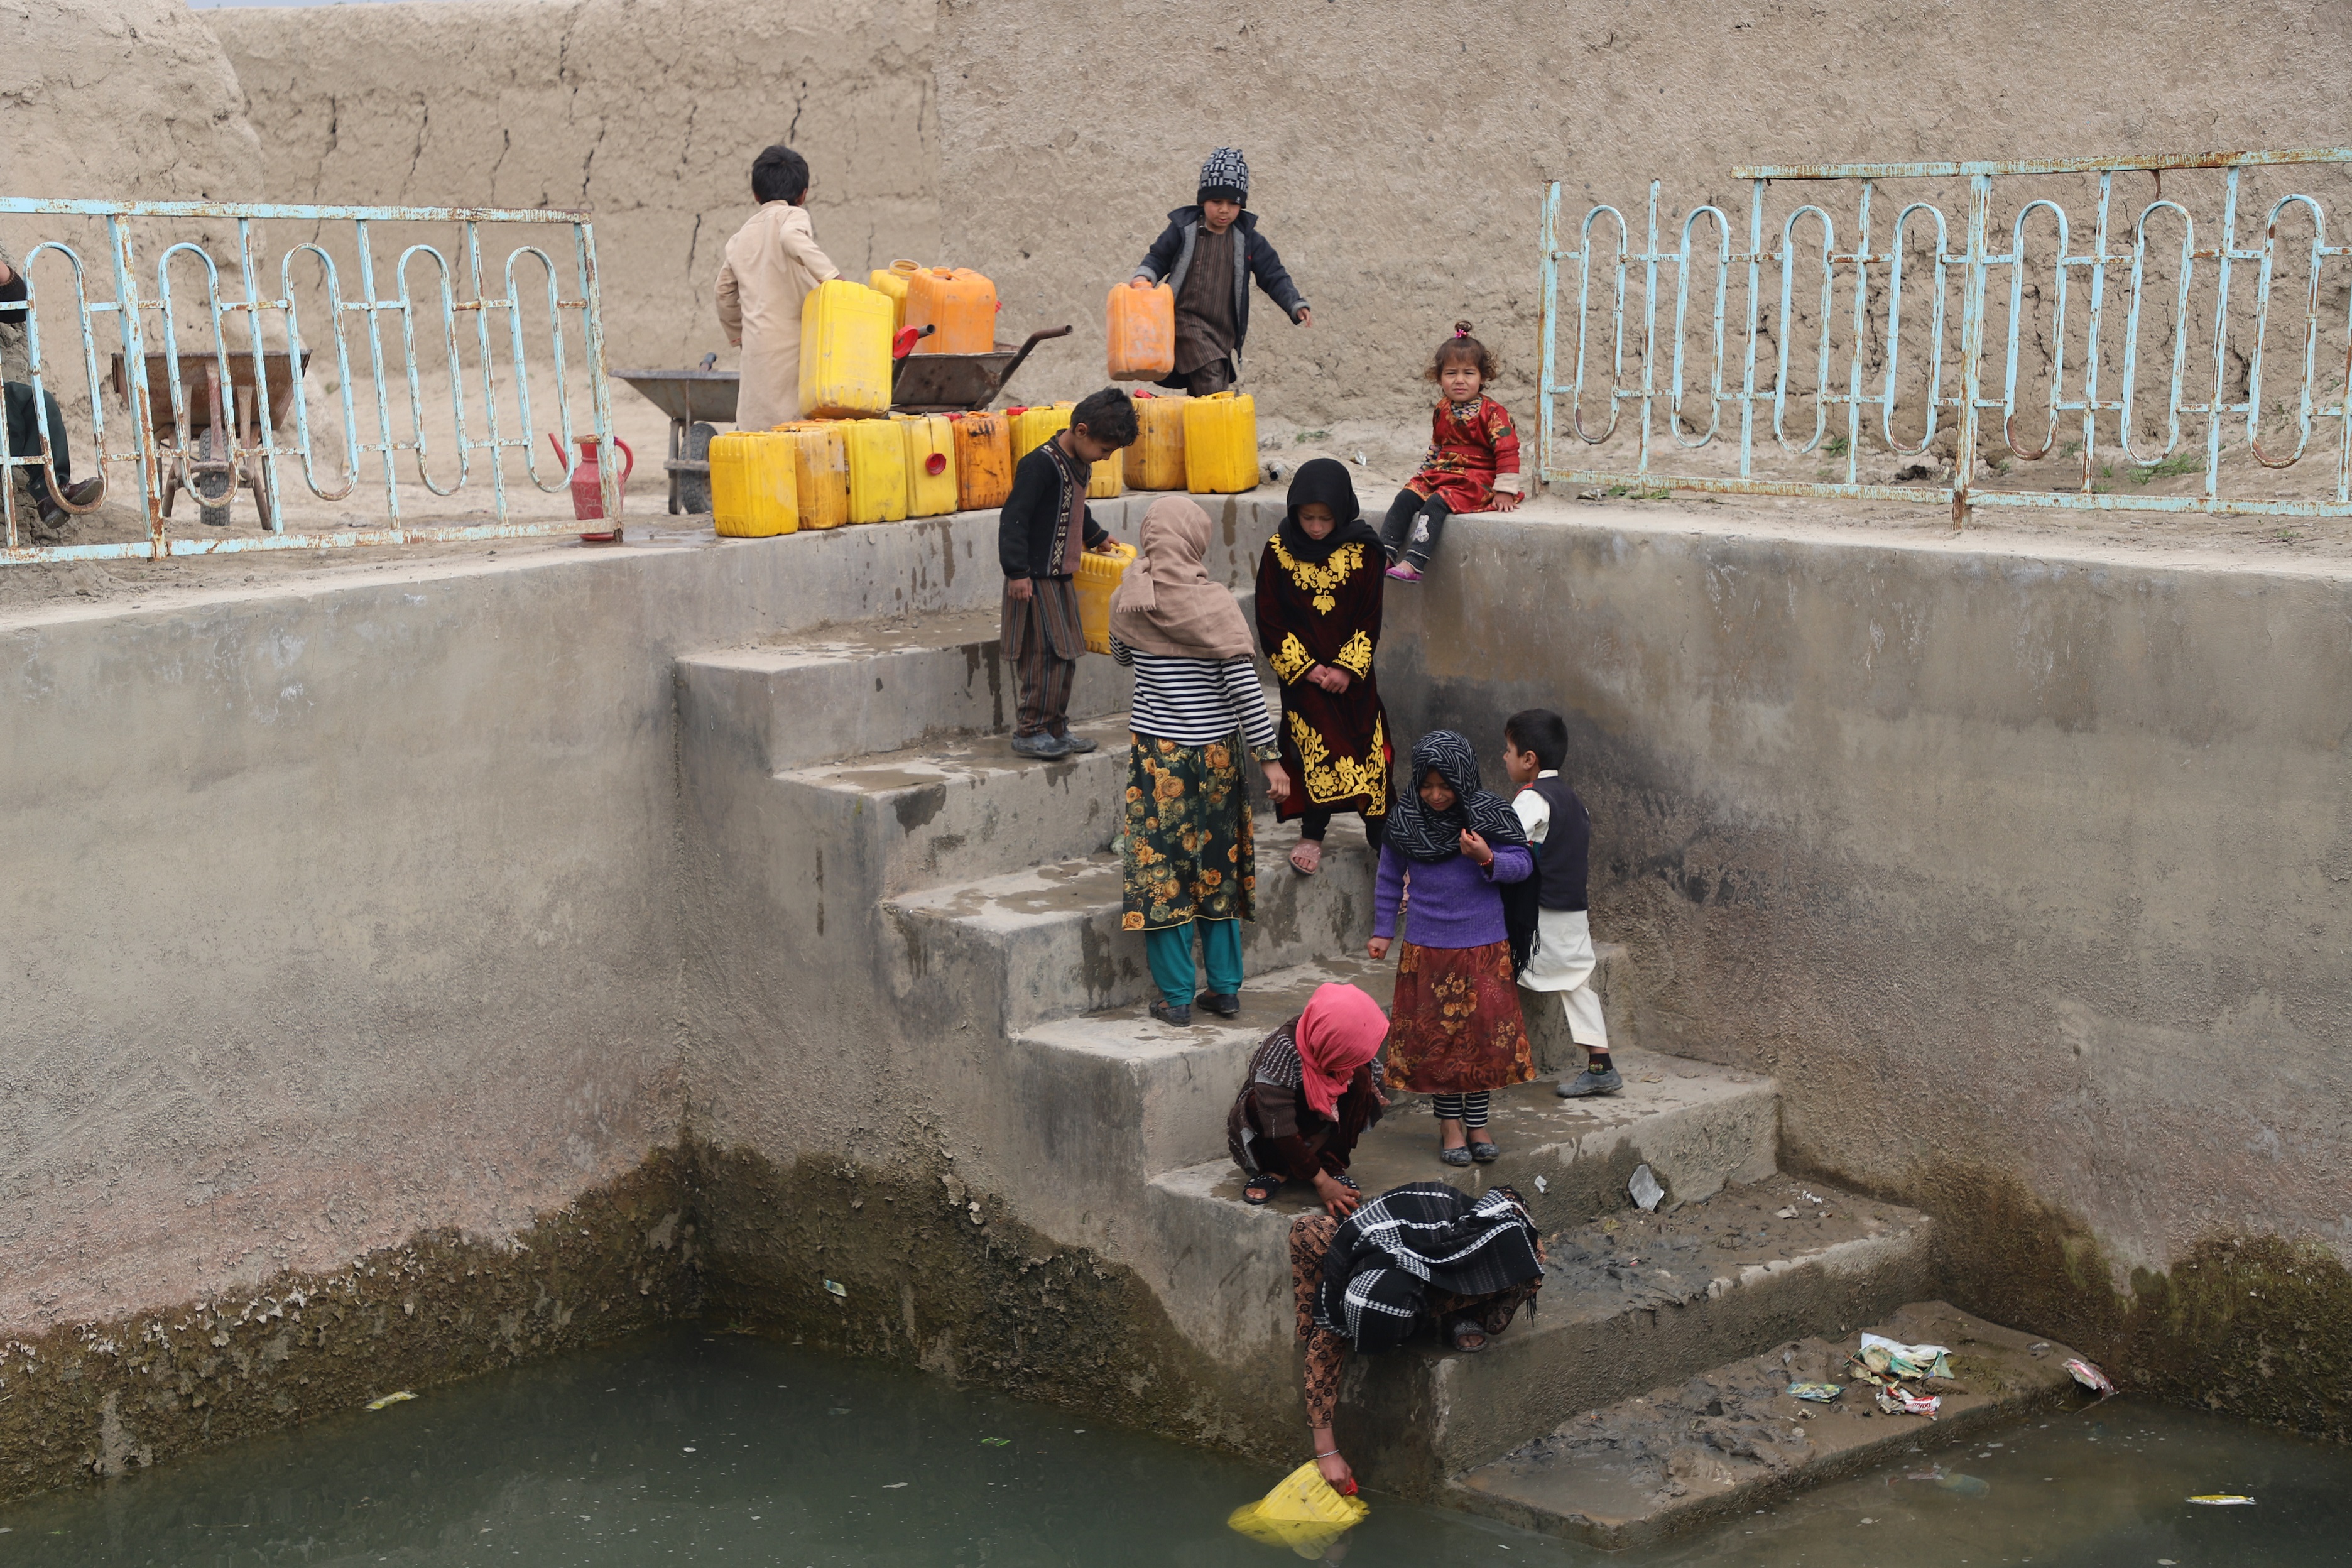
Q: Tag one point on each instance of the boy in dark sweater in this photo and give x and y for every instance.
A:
(1039, 534)
(1207, 254)
(1535, 743)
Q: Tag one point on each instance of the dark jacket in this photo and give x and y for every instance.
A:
(1030, 538)
(1172, 255)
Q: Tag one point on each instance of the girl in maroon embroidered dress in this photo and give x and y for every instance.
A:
(1472, 463)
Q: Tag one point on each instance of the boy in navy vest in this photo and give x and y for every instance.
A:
(1535, 743)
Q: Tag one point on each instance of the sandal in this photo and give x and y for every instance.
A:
(1313, 850)
(1454, 1156)
(1463, 1330)
(1259, 1190)
(1485, 1151)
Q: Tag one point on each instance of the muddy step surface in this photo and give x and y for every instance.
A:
(1049, 941)
(1731, 1439)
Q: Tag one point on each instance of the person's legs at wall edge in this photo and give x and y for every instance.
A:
(1220, 956)
(1587, 1028)
(1458, 1116)
(1210, 379)
(1315, 822)
(1411, 530)
(1170, 953)
(1044, 680)
(25, 441)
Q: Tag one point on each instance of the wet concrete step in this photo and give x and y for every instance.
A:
(1632, 1300)
(1731, 1439)
(879, 687)
(1047, 942)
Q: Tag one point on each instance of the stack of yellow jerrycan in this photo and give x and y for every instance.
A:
(1156, 461)
(877, 469)
(931, 463)
(1221, 444)
(983, 459)
(1109, 476)
(845, 351)
(820, 472)
(755, 490)
(1097, 579)
(892, 281)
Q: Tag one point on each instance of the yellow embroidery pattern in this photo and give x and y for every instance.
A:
(1356, 657)
(1320, 580)
(1290, 660)
(1330, 778)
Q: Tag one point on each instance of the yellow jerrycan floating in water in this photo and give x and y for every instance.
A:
(845, 351)
(1221, 444)
(820, 472)
(1097, 579)
(1303, 1513)
(877, 469)
(931, 463)
(1156, 461)
(754, 490)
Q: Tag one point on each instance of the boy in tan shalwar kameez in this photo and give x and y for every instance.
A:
(772, 262)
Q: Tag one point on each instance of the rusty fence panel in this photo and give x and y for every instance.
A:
(194, 364)
(1709, 354)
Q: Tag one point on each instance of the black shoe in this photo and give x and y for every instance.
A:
(1078, 745)
(1041, 745)
(1485, 1153)
(1176, 1017)
(1225, 1004)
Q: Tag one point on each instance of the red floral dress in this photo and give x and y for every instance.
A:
(1474, 451)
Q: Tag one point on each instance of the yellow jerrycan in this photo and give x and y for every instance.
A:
(754, 490)
(1302, 1513)
(931, 463)
(1097, 578)
(1221, 444)
(1032, 426)
(984, 461)
(892, 281)
(1156, 461)
(845, 351)
(820, 472)
(876, 454)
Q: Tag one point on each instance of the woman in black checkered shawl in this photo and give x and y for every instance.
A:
(1425, 1251)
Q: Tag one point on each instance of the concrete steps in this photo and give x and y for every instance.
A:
(1044, 943)
(1632, 1300)
(1730, 1439)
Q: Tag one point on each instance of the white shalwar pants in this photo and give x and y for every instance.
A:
(1563, 964)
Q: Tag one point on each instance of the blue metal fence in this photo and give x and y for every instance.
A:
(204, 414)
(2094, 396)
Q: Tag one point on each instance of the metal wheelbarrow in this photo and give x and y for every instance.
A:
(211, 456)
(694, 400)
(954, 384)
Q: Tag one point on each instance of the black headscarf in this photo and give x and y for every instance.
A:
(1326, 480)
(1426, 835)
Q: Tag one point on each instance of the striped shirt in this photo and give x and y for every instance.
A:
(1193, 701)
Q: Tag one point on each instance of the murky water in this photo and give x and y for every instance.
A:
(688, 1449)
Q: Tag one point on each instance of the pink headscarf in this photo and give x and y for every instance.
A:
(1341, 1029)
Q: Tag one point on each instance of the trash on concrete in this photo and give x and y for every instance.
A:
(835, 1287)
(2091, 1377)
(1819, 1392)
(1963, 1485)
(1784, 1213)
(401, 1397)
(1644, 1188)
(1901, 1401)
(2223, 1500)
(1884, 1355)
(995, 1442)
(1303, 1513)
(1542, 1186)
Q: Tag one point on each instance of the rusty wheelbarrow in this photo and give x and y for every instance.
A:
(217, 451)
(953, 383)
(694, 400)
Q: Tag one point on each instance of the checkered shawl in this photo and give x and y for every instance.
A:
(1426, 1238)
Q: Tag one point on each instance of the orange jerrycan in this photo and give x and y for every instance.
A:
(959, 303)
(845, 351)
(1141, 326)
(876, 454)
(892, 281)
(1156, 461)
(931, 463)
(754, 491)
(820, 472)
(1221, 444)
(983, 459)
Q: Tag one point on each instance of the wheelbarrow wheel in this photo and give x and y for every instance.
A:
(694, 489)
(216, 481)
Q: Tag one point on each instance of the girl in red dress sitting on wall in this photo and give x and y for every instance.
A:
(1472, 463)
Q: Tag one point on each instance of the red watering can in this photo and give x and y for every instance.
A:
(587, 482)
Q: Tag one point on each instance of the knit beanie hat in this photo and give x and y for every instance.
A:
(1225, 177)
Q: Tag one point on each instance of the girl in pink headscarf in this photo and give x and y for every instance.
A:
(1313, 1087)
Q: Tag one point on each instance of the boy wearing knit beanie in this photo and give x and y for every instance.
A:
(1207, 254)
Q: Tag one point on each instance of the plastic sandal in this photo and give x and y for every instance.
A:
(1454, 1156)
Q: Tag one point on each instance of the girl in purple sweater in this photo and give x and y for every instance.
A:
(1455, 1031)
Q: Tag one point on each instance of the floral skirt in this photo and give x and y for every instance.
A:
(1455, 1025)
(1190, 854)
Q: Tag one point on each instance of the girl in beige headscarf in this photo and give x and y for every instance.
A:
(1190, 857)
